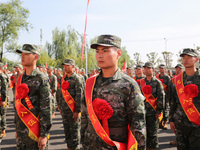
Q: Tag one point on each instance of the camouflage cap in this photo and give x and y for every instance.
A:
(148, 64)
(19, 66)
(59, 69)
(189, 51)
(107, 40)
(41, 65)
(131, 68)
(1, 65)
(50, 67)
(82, 69)
(69, 62)
(28, 48)
(162, 66)
(138, 66)
(179, 65)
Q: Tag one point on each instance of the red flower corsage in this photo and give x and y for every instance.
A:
(147, 89)
(22, 90)
(191, 90)
(103, 111)
(65, 85)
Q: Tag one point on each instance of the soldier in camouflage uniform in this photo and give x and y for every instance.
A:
(53, 87)
(82, 72)
(41, 67)
(40, 97)
(152, 114)
(138, 73)
(179, 69)
(8, 84)
(187, 132)
(19, 70)
(3, 95)
(129, 71)
(59, 82)
(71, 119)
(123, 95)
(167, 88)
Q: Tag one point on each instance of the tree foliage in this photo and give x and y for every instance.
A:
(137, 59)
(13, 17)
(152, 57)
(167, 56)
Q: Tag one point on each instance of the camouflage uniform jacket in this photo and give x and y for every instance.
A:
(85, 77)
(8, 79)
(3, 86)
(158, 93)
(168, 83)
(125, 98)
(40, 96)
(177, 113)
(53, 83)
(75, 90)
(58, 92)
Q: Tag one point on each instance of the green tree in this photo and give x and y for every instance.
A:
(167, 58)
(179, 60)
(152, 57)
(125, 56)
(13, 17)
(137, 58)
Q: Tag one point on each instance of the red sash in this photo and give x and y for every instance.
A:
(68, 98)
(164, 86)
(186, 103)
(149, 98)
(134, 77)
(28, 118)
(132, 143)
(173, 79)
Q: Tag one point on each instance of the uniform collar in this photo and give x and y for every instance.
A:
(117, 76)
(33, 73)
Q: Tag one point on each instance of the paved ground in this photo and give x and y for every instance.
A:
(57, 142)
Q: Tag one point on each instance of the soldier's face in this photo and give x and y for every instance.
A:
(189, 61)
(138, 71)
(107, 57)
(49, 71)
(68, 68)
(148, 71)
(28, 59)
(162, 70)
(178, 70)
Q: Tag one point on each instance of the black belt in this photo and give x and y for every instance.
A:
(112, 131)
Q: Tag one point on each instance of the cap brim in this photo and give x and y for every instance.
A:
(190, 54)
(66, 64)
(94, 46)
(22, 51)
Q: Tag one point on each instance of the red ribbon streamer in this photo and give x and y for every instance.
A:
(83, 44)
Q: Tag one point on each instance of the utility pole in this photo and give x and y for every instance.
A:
(165, 44)
(41, 36)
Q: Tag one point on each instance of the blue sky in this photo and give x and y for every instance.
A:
(142, 24)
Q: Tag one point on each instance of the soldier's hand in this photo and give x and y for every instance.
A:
(42, 143)
(3, 104)
(172, 126)
(75, 117)
(15, 135)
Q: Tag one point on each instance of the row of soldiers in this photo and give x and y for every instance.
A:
(114, 110)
